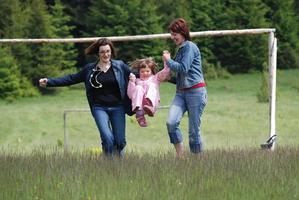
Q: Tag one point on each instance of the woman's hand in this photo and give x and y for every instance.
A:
(166, 55)
(132, 77)
(43, 82)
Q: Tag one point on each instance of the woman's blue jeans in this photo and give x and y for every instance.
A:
(111, 123)
(193, 101)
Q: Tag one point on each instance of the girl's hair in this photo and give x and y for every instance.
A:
(145, 62)
(180, 26)
(94, 47)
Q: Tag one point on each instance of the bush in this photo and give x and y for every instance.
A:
(12, 84)
(263, 94)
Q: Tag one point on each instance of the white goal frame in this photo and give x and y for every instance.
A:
(272, 61)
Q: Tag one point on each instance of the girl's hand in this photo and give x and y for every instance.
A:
(132, 77)
(166, 55)
(43, 82)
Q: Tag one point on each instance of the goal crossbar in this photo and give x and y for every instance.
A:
(140, 37)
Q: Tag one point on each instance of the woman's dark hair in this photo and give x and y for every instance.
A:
(180, 26)
(94, 47)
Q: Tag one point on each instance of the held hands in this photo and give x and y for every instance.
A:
(132, 77)
(43, 82)
(166, 55)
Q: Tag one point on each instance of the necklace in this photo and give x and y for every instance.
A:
(93, 79)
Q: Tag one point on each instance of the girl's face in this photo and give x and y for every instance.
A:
(105, 53)
(177, 38)
(145, 73)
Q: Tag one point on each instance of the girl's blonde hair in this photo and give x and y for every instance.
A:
(145, 62)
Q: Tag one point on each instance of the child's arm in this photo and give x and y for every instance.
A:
(163, 75)
(131, 85)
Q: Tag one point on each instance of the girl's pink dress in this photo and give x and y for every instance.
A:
(149, 88)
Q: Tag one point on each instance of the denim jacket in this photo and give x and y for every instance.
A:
(121, 71)
(187, 65)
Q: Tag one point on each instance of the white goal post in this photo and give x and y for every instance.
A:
(272, 58)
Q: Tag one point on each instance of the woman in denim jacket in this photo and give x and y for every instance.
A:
(106, 84)
(191, 94)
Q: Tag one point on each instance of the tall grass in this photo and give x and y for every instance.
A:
(214, 174)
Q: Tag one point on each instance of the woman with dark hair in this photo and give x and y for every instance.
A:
(191, 93)
(106, 82)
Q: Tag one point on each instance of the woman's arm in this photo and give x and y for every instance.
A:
(183, 64)
(164, 74)
(66, 80)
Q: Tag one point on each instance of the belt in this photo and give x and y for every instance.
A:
(198, 85)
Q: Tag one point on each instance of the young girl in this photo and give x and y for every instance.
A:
(144, 91)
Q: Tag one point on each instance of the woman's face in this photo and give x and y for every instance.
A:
(177, 38)
(105, 53)
(145, 73)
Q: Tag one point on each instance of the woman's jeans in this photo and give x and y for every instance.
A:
(193, 101)
(111, 123)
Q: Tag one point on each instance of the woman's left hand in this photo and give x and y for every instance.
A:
(132, 77)
(166, 55)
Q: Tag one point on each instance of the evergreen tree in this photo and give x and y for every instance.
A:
(201, 13)
(143, 20)
(47, 59)
(170, 10)
(78, 10)
(241, 53)
(12, 84)
(13, 21)
(65, 54)
(119, 18)
(286, 23)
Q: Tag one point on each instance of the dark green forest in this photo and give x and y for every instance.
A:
(21, 65)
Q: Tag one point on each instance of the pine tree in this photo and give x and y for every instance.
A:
(13, 20)
(285, 20)
(47, 60)
(119, 18)
(201, 13)
(143, 20)
(12, 84)
(241, 53)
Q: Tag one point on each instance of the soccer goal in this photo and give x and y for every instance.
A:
(272, 64)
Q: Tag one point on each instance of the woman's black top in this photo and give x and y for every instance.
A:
(109, 93)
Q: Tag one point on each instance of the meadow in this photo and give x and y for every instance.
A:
(232, 118)
(33, 165)
(215, 174)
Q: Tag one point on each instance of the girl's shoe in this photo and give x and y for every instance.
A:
(141, 120)
(149, 110)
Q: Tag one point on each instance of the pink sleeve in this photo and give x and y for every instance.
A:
(163, 75)
(131, 89)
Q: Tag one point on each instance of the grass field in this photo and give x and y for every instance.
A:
(233, 118)
(215, 174)
(33, 165)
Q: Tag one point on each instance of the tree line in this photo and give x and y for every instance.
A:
(21, 65)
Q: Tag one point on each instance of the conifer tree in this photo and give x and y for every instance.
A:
(119, 18)
(285, 21)
(48, 59)
(12, 84)
(13, 20)
(241, 53)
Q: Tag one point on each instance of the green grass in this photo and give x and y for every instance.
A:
(233, 118)
(215, 174)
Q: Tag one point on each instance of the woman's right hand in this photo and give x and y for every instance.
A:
(43, 82)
